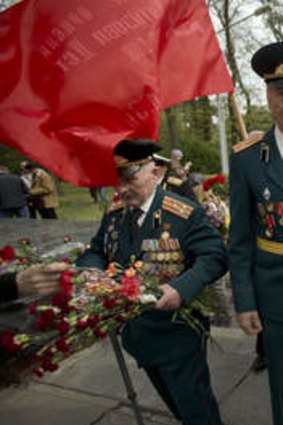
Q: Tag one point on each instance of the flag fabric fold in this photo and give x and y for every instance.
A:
(76, 77)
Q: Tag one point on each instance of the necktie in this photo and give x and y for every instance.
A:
(136, 213)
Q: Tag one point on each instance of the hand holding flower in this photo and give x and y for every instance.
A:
(170, 300)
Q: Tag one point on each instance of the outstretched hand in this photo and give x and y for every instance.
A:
(40, 279)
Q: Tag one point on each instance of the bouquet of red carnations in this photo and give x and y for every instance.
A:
(89, 305)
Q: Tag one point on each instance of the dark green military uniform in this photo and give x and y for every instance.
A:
(180, 247)
(256, 246)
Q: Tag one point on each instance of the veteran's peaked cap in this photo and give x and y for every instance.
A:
(136, 150)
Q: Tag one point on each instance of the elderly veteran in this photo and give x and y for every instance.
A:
(184, 252)
(256, 232)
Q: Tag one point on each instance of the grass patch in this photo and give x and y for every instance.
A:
(76, 203)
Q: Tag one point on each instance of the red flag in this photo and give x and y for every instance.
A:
(80, 75)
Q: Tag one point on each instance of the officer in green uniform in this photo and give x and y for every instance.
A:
(256, 232)
(183, 253)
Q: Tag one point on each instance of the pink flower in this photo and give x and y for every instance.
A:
(130, 287)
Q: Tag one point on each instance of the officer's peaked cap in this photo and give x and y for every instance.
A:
(138, 151)
(267, 62)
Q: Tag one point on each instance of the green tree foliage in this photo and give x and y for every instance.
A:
(259, 118)
(10, 158)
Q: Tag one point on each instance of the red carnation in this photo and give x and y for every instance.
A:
(82, 324)
(116, 197)
(66, 281)
(93, 321)
(32, 309)
(47, 364)
(45, 320)
(63, 327)
(100, 333)
(8, 342)
(62, 345)
(7, 253)
(221, 179)
(109, 303)
(61, 301)
(38, 371)
(206, 185)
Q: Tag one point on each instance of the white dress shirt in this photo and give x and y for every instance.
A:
(279, 140)
(145, 208)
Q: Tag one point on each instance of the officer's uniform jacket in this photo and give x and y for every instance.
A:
(178, 246)
(256, 231)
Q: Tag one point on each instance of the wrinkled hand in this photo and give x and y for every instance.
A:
(90, 274)
(40, 279)
(170, 299)
(250, 322)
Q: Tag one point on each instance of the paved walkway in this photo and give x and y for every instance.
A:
(88, 389)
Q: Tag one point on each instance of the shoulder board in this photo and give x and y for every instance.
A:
(174, 181)
(252, 140)
(115, 206)
(177, 207)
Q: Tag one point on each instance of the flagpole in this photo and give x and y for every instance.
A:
(222, 136)
(239, 117)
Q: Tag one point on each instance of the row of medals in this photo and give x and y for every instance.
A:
(268, 213)
(163, 256)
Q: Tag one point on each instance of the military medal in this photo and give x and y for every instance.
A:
(160, 256)
(279, 210)
(270, 224)
(266, 194)
(264, 152)
(270, 207)
(156, 219)
(261, 209)
(269, 232)
(165, 235)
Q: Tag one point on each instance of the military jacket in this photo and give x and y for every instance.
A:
(178, 246)
(256, 200)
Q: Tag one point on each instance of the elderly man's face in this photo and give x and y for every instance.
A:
(275, 103)
(135, 190)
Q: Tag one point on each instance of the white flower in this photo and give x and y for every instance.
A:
(147, 298)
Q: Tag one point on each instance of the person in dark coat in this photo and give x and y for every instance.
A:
(13, 192)
(181, 251)
(256, 235)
